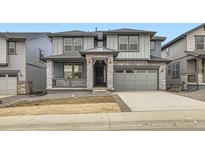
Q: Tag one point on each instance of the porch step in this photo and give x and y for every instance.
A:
(100, 91)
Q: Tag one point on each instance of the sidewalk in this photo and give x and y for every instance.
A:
(107, 121)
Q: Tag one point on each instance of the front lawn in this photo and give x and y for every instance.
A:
(91, 104)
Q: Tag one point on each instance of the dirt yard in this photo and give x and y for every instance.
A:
(73, 105)
(199, 94)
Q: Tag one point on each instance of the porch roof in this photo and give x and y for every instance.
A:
(98, 50)
(65, 56)
(200, 54)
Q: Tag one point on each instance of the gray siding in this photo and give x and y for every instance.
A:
(88, 42)
(176, 50)
(144, 47)
(191, 38)
(157, 51)
(35, 68)
(17, 62)
(3, 51)
(57, 44)
(58, 70)
(58, 48)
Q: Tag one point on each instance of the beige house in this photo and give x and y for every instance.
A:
(187, 53)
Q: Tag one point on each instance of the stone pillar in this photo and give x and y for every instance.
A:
(184, 81)
(200, 72)
(162, 77)
(49, 71)
(110, 73)
(89, 72)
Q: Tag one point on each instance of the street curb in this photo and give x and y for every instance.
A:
(119, 125)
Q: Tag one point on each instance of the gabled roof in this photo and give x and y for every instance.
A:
(98, 50)
(181, 36)
(73, 33)
(128, 31)
(160, 38)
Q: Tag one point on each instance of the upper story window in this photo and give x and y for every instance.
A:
(128, 43)
(199, 42)
(12, 48)
(152, 45)
(73, 44)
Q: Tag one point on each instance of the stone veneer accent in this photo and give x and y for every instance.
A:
(24, 87)
(90, 59)
(140, 64)
(49, 73)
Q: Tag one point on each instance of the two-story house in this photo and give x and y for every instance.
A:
(122, 60)
(21, 69)
(186, 71)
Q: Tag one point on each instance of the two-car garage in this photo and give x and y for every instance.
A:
(136, 79)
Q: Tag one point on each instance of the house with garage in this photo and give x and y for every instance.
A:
(21, 69)
(122, 60)
(187, 55)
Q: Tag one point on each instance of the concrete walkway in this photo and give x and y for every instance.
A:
(158, 100)
(108, 121)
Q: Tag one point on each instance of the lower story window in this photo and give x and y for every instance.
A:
(78, 71)
(176, 70)
(73, 71)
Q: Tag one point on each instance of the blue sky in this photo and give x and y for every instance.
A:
(170, 30)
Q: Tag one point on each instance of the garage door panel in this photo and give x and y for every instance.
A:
(136, 80)
(8, 85)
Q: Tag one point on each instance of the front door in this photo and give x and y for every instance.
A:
(100, 73)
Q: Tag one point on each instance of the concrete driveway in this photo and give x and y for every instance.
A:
(158, 100)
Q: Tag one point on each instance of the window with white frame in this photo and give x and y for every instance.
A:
(176, 70)
(78, 44)
(73, 44)
(123, 43)
(199, 42)
(133, 43)
(152, 45)
(12, 48)
(73, 70)
(128, 43)
(68, 44)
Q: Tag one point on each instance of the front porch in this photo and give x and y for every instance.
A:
(195, 77)
(92, 71)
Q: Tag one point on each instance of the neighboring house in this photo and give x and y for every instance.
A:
(21, 69)
(122, 60)
(186, 71)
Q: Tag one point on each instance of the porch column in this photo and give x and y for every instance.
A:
(110, 72)
(89, 72)
(199, 70)
(49, 73)
(162, 77)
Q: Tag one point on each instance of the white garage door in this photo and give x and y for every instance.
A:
(8, 85)
(135, 80)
